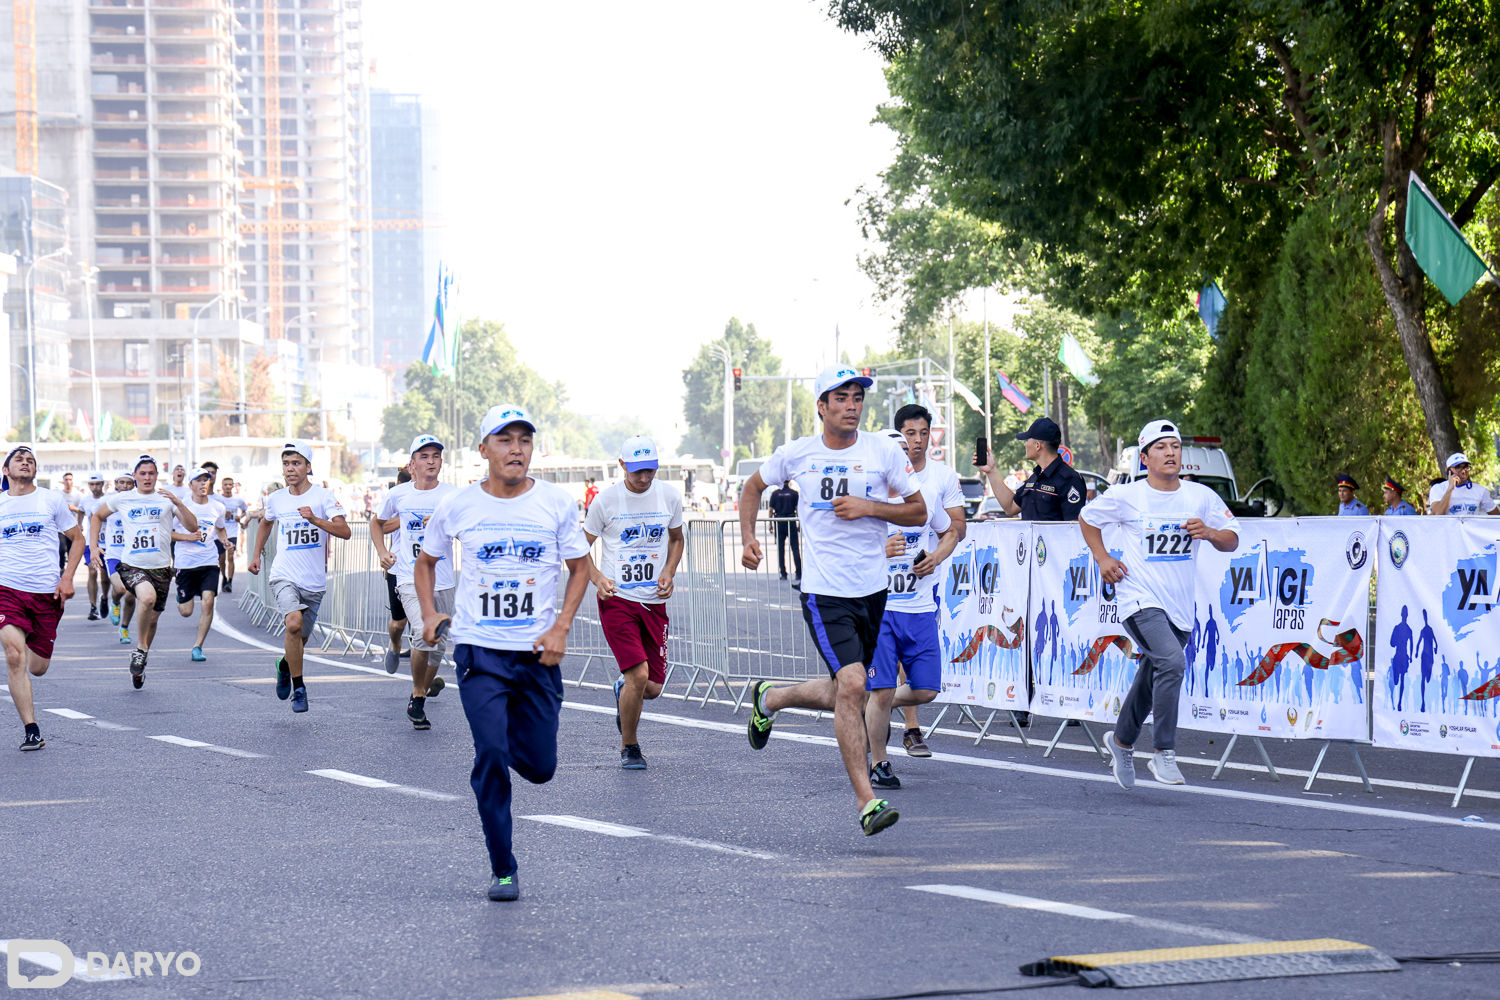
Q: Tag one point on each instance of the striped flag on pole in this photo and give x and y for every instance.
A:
(440, 351)
(1014, 396)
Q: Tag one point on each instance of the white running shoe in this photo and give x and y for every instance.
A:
(1121, 761)
(1163, 764)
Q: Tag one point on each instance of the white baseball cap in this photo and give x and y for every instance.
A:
(299, 447)
(838, 375)
(97, 477)
(1155, 431)
(143, 460)
(638, 453)
(421, 441)
(201, 473)
(1457, 458)
(500, 417)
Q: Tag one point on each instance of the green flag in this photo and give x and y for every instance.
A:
(1071, 353)
(1439, 245)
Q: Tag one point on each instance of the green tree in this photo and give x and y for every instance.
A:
(61, 428)
(759, 407)
(1140, 147)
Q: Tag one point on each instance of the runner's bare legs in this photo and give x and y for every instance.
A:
(639, 688)
(845, 697)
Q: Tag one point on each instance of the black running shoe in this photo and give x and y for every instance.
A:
(283, 679)
(436, 687)
(876, 816)
(415, 712)
(228, 587)
(93, 614)
(631, 758)
(760, 723)
(137, 668)
(34, 741)
(504, 890)
(882, 777)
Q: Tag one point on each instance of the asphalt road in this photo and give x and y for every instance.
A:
(719, 872)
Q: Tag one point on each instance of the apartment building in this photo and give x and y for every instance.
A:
(405, 183)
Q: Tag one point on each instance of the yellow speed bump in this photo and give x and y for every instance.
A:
(1218, 963)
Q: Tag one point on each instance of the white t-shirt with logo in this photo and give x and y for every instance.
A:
(841, 558)
(203, 552)
(146, 528)
(1158, 552)
(233, 508)
(88, 505)
(114, 533)
(1470, 498)
(301, 557)
(513, 554)
(946, 487)
(182, 492)
(413, 506)
(905, 591)
(632, 528)
(29, 530)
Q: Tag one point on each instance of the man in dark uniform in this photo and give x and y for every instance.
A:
(1053, 492)
(784, 509)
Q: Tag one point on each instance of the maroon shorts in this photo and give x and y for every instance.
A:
(36, 615)
(636, 633)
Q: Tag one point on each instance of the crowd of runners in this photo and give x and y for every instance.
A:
(876, 517)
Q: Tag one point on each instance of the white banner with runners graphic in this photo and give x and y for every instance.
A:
(1082, 663)
(1281, 627)
(1437, 652)
(982, 617)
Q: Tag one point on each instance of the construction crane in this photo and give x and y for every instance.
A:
(24, 19)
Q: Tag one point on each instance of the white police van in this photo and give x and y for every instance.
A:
(1204, 461)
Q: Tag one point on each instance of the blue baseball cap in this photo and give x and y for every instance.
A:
(839, 375)
(500, 417)
(638, 453)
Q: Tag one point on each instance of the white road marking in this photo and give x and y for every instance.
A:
(197, 744)
(617, 830)
(233, 633)
(51, 963)
(365, 781)
(67, 713)
(1058, 772)
(1084, 912)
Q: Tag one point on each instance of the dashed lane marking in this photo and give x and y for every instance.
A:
(1058, 772)
(233, 633)
(199, 745)
(616, 830)
(1083, 912)
(68, 713)
(365, 781)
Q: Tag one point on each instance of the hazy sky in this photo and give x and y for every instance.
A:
(620, 179)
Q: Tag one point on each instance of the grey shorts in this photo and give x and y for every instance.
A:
(442, 601)
(290, 597)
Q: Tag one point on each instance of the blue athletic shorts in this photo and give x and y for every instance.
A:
(912, 641)
(111, 566)
(88, 555)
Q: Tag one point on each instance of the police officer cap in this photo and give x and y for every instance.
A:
(1391, 484)
(1042, 429)
(1345, 479)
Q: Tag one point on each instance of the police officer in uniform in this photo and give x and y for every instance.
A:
(1349, 504)
(1053, 492)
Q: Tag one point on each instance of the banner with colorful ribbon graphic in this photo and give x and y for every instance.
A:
(982, 617)
(1280, 631)
(1082, 662)
(1437, 645)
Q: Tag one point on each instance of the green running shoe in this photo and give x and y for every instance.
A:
(760, 723)
(876, 816)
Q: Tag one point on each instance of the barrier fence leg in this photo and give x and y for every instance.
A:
(1020, 730)
(1318, 764)
(1462, 783)
(1097, 748)
(1266, 758)
(933, 728)
(1233, 739)
(968, 713)
(584, 672)
(1360, 765)
(713, 681)
(740, 699)
(1053, 745)
(985, 728)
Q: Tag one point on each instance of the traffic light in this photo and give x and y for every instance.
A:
(867, 372)
(737, 373)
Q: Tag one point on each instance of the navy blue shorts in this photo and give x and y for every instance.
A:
(911, 641)
(844, 629)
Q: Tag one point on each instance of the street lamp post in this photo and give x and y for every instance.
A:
(193, 437)
(31, 329)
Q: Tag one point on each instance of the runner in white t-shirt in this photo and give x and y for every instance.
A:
(405, 510)
(305, 517)
(146, 563)
(915, 424)
(197, 558)
(844, 479)
(122, 598)
(98, 582)
(178, 487)
(234, 516)
(909, 643)
(639, 522)
(1459, 494)
(515, 533)
(32, 589)
(1162, 519)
